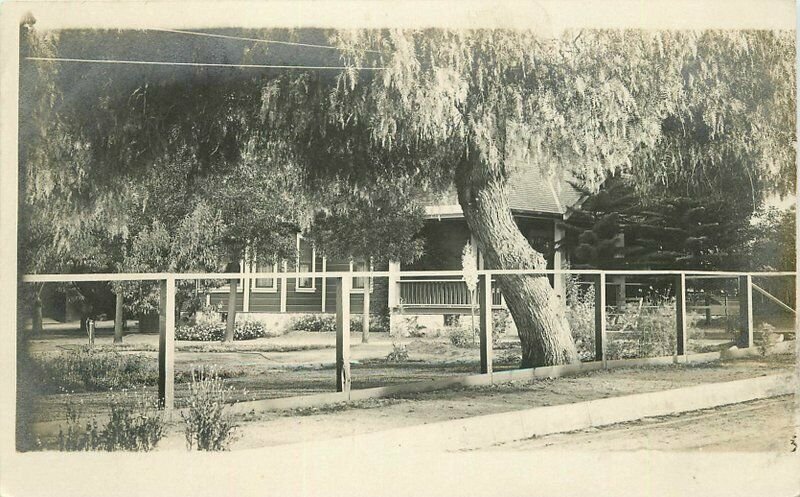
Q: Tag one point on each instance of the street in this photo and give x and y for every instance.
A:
(766, 425)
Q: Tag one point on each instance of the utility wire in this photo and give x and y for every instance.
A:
(196, 64)
(242, 38)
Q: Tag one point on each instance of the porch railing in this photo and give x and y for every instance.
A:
(450, 293)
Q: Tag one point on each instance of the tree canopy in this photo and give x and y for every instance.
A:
(411, 110)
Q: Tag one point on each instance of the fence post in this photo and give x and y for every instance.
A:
(680, 314)
(365, 314)
(166, 344)
(393, 294)
(324, 284)
(600, 319)
(746, 311)
(284, 283)
(118, 320)
(343, 286)
(485, 292)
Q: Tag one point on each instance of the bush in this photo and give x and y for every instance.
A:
(462, 337)
(132, 426)
(136, 427)
(88, 369)
(378, 323)
(206, 331)
(502, 323)
(314, 322)
(767, 339)
(399, 353)
(208, 426)
(208, 314)
(327, 322)
(653, 326)
(580, 316)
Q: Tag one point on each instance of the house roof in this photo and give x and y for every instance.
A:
(529, 193)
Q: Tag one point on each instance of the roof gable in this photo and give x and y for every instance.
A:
(529, 193)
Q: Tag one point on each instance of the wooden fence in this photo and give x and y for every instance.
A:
(166, 343)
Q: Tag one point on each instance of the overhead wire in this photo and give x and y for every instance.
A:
(200, 64)
(215, 64)
(256, 40)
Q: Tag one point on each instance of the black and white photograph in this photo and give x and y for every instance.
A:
(399, 248)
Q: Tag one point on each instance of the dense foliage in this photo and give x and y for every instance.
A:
(88, 369)
(684, 112)
(243, 330)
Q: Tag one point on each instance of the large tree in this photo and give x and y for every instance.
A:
(468, 107)
(473, 107)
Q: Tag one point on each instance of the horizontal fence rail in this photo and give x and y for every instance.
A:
(63, 278)
(444, 289)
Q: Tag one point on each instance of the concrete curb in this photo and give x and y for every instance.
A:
(484, 431)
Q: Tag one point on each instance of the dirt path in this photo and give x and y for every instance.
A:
(766, 425)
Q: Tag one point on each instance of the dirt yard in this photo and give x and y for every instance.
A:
(301, 363)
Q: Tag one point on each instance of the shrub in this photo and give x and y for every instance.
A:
(132, 426)
(653, 325)
(462, 337)
(768, 339)
(399, 353)
(208, 426)
(378, 323)
(209, 314)
(451, 320)
(509, 357)
(327, 322)
(408, 326)
(314, 322)
(87, 369)
(206, 331)
(580, 316)
(502, 323)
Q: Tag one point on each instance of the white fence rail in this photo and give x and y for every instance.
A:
(486, 300)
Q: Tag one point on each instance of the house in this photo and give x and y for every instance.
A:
(539, 205)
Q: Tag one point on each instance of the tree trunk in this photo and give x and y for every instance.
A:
(537, 311)
(36, 319)
(231, 320)
(118, 323)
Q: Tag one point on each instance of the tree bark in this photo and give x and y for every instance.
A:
(36, 319)
(231, 319)
(537, 311)
(118, 323)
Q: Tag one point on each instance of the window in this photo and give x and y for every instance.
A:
(306, 262)
(358, 267)
(265, 284)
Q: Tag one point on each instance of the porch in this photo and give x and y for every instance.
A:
(441, 296)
